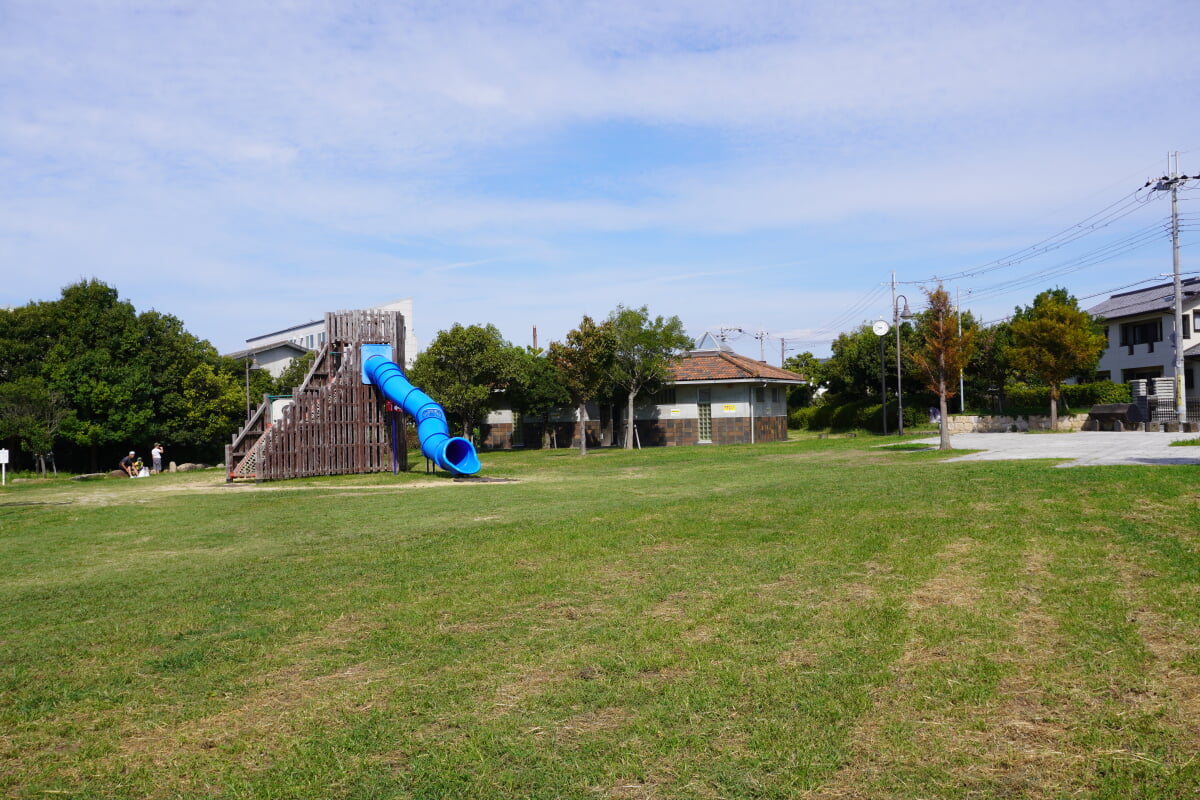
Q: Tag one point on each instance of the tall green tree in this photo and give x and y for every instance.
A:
(33, 415)
(942, 352)
(854, 364)
(645, 350)
(1054, 340)
(121, 373)
(96, 362)
(585, 361)
(464, 368)
(169, 355)
(990, 366)
(813, 370)
(214, 402)
(538, 389)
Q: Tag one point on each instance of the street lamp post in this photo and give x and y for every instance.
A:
(250, 361)
(897, 316)
(881, 330)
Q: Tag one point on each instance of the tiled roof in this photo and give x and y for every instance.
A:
(718, 365)
(1146, 301)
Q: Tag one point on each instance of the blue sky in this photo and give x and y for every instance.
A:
(754, 165)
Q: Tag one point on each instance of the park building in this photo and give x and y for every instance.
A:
(715, 396)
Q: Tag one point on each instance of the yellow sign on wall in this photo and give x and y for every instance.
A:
(730, 408)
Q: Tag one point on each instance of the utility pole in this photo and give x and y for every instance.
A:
(962, 394)
(1170, 182)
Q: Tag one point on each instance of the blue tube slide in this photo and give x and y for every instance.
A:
(452, 453)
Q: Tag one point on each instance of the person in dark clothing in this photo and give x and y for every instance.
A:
(127, 464)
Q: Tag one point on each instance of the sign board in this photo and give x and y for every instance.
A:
(3, 456)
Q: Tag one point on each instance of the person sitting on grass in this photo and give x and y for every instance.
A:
(127, 464)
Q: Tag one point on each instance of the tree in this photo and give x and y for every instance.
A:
(853, 367)
(645, 350)
(96, 364)
(33, 415)
(990, 366)
(813, 370)
(169, 355)
(942, 353)
(294, 374)
(1053, 340)
(122, 373)
(538, 389)
(586, 361)
(215, 401)
(464, 368)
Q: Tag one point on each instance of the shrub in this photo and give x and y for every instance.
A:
(840, 413)
(800, 418)
(1077, 397)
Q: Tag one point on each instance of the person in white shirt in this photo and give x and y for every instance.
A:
(156, 455)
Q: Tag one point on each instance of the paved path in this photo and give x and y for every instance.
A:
(1085, 448)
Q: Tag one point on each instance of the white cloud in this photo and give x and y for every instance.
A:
(318, 150)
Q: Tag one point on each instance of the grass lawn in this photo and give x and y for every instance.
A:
(814, 619)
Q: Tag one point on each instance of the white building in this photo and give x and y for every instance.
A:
(1141, 334)
(274, 351)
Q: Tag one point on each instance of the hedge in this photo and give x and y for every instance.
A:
(1076, 396)
(834, 412)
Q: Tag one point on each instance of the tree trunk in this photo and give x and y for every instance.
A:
(629, 422)
(583, 429)
(944, 440)
(1054, 406)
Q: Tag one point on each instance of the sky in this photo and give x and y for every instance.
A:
(753, 167)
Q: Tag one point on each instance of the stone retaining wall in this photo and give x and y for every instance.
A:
(969, 423)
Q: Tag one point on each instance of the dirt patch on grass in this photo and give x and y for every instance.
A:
(953, 586)
(1171, 683)
(1018, 743)
(293, 704)
(589, 724)
(527, 682)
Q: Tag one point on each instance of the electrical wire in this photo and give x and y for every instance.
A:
(1102, 219)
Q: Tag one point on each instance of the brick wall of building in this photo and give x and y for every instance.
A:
(496, 436)
(668, 432)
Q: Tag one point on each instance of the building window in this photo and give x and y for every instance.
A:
(704, 415)
(1189, 380)
(1147, 332)
(664, 396)
(1187, 326)
(760, 395)
(775, 392)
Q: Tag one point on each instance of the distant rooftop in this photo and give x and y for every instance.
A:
(725, 365)
(1156, 298)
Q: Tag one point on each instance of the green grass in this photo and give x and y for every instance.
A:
(819, 618)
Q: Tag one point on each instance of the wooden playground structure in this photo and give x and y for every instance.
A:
(335, 424)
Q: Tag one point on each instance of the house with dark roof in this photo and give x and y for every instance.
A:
(715, 396)
(274, 357)
(1141, 334)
